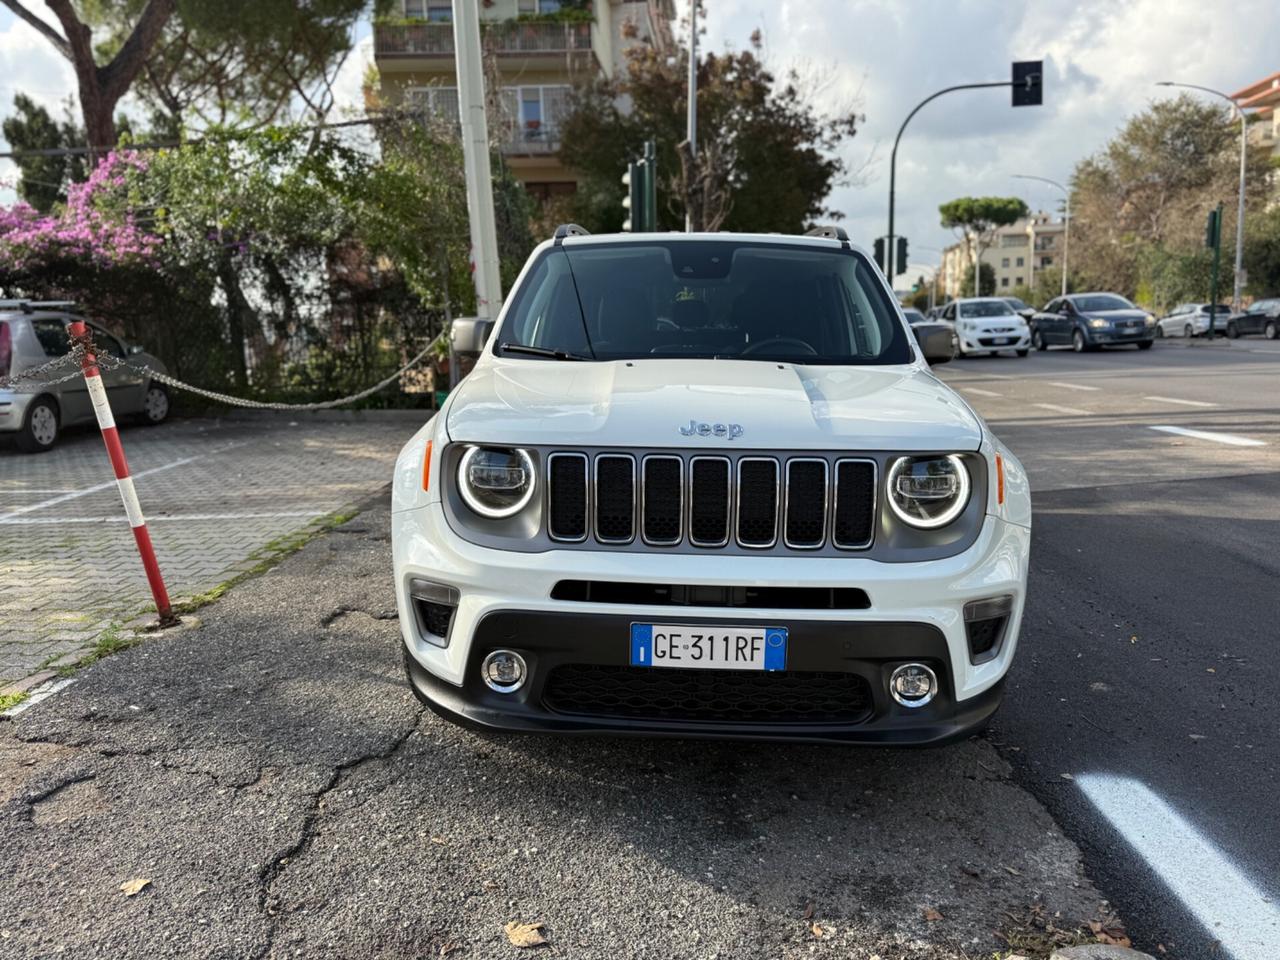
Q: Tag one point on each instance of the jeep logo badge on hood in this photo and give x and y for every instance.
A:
(696, 428)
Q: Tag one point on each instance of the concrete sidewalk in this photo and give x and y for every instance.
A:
(218, 495)
(271, 777)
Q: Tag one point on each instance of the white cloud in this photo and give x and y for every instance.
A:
(1102, 60)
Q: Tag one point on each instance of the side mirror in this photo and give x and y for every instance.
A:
(936, 344)
(468, 335)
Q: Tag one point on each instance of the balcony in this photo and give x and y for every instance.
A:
(505, 38)
(531, 139)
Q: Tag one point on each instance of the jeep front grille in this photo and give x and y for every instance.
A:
(667, 499)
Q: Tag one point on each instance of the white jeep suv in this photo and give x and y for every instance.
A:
(706, 485)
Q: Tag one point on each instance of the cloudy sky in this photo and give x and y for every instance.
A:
(1102, 59)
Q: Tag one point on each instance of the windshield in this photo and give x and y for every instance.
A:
(1015, 303)
(718, 299)
(1103, 301)
(986, 308)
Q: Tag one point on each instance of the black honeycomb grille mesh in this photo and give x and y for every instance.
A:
(567, 500)
(615, 498)
(806, 502)
(709, 501)
(662, 499)
(709, 696)
(757, 502)
(855, 503)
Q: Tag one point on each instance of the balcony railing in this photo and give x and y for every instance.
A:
(505, 37)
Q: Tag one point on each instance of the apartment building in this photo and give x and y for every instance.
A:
(1261, 99)
(538, 48)
(1017, 253)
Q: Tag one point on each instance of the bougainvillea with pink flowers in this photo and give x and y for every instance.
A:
(100, 223)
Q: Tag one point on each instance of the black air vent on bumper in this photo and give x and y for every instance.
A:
(709, 696)
(705, 595)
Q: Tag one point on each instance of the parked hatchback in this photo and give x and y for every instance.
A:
(1192, 320)
(1262, 316)
(34, 413)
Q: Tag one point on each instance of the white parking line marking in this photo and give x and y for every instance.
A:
(43, 692)
(1225, 902)
(1071, 411)
(43, 521)
(1071, 386)
(1228, 438)
(1185, 403)
(981, 393)
(105, 485)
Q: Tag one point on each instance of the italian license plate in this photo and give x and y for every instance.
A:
(1001, 341)
(708, 646)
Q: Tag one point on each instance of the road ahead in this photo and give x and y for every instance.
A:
(1141, 708)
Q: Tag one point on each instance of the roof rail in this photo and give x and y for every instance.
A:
(829, 233)
(569, 230)
(29, 306)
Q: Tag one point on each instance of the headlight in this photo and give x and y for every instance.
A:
(928, 492)
(496, 481)
(1098, 323)
(1151, 321)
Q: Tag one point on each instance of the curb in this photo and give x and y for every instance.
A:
(1097, 951)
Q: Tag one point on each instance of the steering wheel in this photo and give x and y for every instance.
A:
(780, 341)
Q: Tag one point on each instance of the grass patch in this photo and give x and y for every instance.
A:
(10, 700)
(267, 557)
(111, 641)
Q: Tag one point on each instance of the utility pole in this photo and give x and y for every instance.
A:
(475, 156)
(1028, 91)
(692, 130)
(1213, 238)
(1237, 287)
(1066, 225)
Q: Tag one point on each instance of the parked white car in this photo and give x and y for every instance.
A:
(706, 485)
(1192, 320)
(987, 325)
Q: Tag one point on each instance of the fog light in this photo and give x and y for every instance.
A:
(504, 671)
(913, 684)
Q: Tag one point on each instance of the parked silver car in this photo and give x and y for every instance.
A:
(32, 334)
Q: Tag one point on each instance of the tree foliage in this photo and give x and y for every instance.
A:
(766, 158)
(44, 179)
(986, 282)
(1139, 205)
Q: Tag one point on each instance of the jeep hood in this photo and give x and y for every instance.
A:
(646, 403)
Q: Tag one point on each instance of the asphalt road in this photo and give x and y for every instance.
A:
(1147, 672)
(272, 777)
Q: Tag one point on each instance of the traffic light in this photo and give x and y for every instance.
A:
(1213, 229)
(632, 202)
(1028, 83)
(879, 251)
(900, 256)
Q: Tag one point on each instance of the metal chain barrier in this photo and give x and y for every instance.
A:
(108, 362)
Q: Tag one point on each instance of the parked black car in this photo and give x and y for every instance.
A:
(1089, 321)
(1262, 316)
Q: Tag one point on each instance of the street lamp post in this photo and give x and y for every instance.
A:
(1066, 225)
(1244, 157)
(692, 118)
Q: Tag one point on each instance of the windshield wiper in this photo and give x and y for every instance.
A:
(540, 352)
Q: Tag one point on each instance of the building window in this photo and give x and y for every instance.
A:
(530, 7)
(440, 103)
(1019, 261)
(1046, 261)
(439, 12)
(416, 9)
(1013, 240)
(534, 113)
(1004, 261)
(1018, 282)
(1004, 281)
(544, 192)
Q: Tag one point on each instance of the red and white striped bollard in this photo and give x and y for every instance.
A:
(132, 508)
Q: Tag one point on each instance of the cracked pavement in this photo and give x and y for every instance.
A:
(272, 776)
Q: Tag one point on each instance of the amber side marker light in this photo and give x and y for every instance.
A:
(999, 479)
(426, 469)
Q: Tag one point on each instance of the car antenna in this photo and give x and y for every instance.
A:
(582, 314)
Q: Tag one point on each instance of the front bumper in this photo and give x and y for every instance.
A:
(982, 342)
(504, 600)
(1108, 337)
